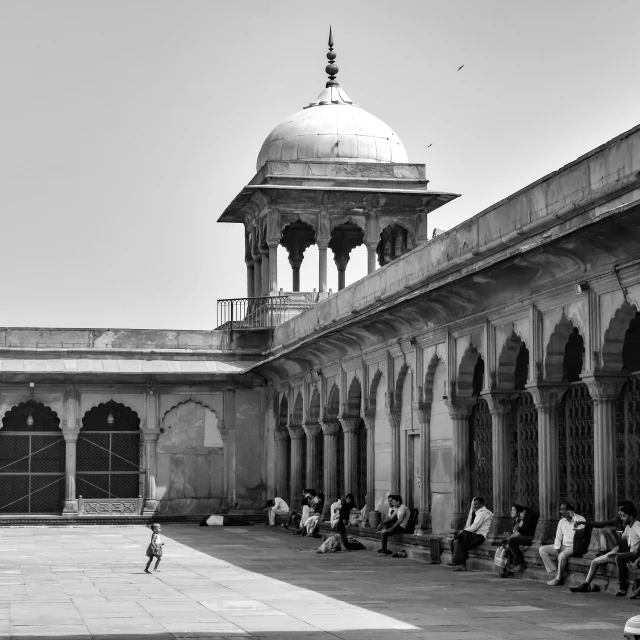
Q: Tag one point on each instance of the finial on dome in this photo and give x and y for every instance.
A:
(332, 68)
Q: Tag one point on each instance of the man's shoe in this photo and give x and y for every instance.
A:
(459, 567)
(554, 583)
(583, 588)
(284, 526)
(451, 564)
(621, 593)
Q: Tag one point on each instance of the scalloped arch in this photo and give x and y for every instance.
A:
(554, 359)
(354, 397)
(614, 337)
(397, 395)
(435, 361)
(466, 371)
(373, 390)
(333, 402)
(314, 406)
(190, 399)
(298, 409)
(283, 415)
(507, 361)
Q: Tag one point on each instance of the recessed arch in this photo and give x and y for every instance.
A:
(354, 397)
(467, 372)
(333, 403)
(298, 409)
(513, 356)
(429, 376)
(44, 417)
(373, 390)
(314, 406)
(614, 337)
(283, 415)
(554, 364)
(397, 395)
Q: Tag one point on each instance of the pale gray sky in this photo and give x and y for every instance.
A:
(126, 127)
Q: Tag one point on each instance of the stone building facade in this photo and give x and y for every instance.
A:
(500, 358)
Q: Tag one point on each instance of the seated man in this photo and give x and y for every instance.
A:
(562, 548)
(631, 540)
(473, 535)
(396, 522)
(295, 516)
(275, 507)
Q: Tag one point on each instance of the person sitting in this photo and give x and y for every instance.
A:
(524, 528)
(606, 539)
(562, 548)
(275, 507)
(360, 518)
(396, 522)
(473, 535)
(630, 541)
(304, 517)
(316, 506)
(295, 516)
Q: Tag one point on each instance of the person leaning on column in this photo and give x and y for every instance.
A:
(562, 548)
(473, 535)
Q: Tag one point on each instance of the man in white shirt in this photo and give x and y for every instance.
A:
(396, 523)
(562, 548)
(631, 538)
(276, 507)
(472, 535)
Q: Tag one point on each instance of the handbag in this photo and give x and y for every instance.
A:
(501, 559)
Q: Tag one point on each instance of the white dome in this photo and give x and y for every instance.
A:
(332, 128)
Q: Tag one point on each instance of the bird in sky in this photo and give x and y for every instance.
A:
(460, 67)
(431, 145)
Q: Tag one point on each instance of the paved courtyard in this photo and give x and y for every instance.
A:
(88, 582)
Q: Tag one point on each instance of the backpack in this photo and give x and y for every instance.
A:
(581, 540)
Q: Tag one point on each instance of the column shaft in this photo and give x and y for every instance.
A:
(250, 278)
(257, 276)
(424, 416)
(370, 424)
(150, 442)
(295, 494)
(394, 422)
(311, 431)
(460, 410)
(371, 259)
(349, 426)
(264, 268)
(330, 431)
(296, 278)
(322, 268)
(281, 488)
(273, 268)
(70, 502)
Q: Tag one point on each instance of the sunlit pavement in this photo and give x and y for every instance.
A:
(88, 582)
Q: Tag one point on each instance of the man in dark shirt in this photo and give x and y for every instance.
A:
(525, 529)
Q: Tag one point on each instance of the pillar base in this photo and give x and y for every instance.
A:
(424, 521)
(70, 508)
(150, 507)
(546, 531)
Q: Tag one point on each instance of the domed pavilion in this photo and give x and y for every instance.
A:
(334, 175)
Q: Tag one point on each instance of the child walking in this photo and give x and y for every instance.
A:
(154, 550)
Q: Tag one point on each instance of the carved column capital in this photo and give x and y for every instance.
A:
(546, 396)
(330, 427)
(460, 407)
(424, 412)
(603, 388)
(280, 434)
(394, 415)
(150, 436)
(70, 436)
(312, 429)
(369, 421)
(499, 403)
(296, 432)
(350, 425)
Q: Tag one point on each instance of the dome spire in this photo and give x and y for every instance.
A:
(332, 68)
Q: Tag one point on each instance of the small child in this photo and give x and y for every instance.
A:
(154, 550)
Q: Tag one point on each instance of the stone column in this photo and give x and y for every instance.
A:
(322, 267)
(460, 411)
(296, 433)
(150, 443)
(371, 257)
(311, 430)
(70, 502)
(341, 263)
(370, 425)
(264, 268)
(295, 271)
(394, 421)
(273, 268)
(605, 391)
(501, 409)
(547, 397)
(424, 419)
(281, 488)
(250, 278)
(257, 275)
(350, 427)
(330, 431)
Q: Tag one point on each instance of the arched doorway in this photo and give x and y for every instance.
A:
(32, 459)
(109, 455)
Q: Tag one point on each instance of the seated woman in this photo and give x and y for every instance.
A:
(316, 507)
(524, 528)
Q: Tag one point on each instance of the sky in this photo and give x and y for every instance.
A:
(127, 127)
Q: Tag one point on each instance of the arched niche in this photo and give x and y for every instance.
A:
(354, 397)
(399, 386)
(314, 406)
(187, 422)
(373, 391)
(333, 402)
(298, 409)
(283, 415)
(434, 362)
(395, 240)
(564, 353)
(470, 370)
(513, 364)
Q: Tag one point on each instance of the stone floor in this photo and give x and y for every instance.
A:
(87, 582)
